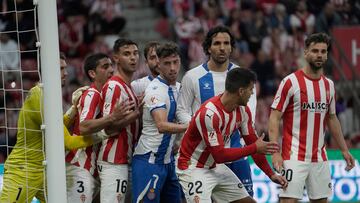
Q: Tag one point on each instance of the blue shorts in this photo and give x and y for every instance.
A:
(154, 182)
(241, 168)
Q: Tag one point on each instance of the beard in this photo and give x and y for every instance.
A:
(315, 67)
(154, 70)
(220, 60)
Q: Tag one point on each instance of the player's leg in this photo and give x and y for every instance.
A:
(20, 186)
(318, 183)
(114, 180)
(295, 172)
(197, 184)
(171, 191)
(148, 180)
(229, 187)
(80, 184)
(242, 170)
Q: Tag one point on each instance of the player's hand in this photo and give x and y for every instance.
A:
(77, 94)
(101, 135)
(277, 162)
(350, 161)
(263, 147)
(121, 109)
(279, 180)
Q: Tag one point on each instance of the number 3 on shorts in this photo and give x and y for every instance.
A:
(195, 187)
(81, 186)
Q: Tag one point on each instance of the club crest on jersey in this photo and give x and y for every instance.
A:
(119, 197)
(315, 106)
(82, 197)
(197, 199)
(151, 194)
(154, 87)
(154, 100)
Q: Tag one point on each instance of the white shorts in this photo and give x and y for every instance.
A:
(80, 184)
(315, 177)
(220, 183)
(114, 182)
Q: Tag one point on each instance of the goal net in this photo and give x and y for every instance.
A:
(20, 71)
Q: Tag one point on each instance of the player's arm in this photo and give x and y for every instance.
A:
(207, 122)
(336, 132)
(155, 102)
(250, 137)
(163, 126)
(76, 142)
(261, 161)
(281, 100)
(80, 141)
(89, 124)
(274, 132)
(185, 100)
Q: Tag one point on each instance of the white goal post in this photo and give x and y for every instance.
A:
(54, 141)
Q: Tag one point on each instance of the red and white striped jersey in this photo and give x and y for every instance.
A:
(89, 108)
(305, 104)
(118, 149)
(211, 126)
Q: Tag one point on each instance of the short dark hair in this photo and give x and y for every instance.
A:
(148, 46)
(239, 77)
(318, 38)
(212, 33)
(167, 49)
(92, 61)
(62, 56)
(122, 42)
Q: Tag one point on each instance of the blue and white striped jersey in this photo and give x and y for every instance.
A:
(157, 146)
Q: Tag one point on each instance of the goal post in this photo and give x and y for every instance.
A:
(50, 68)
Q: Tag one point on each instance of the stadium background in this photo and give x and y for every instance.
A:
(269, 39)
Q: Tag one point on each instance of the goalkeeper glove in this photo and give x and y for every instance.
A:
(77, 94)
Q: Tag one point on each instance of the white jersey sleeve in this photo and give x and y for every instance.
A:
(252, 104)
(185, 100)
(139, 85)
(154, 98)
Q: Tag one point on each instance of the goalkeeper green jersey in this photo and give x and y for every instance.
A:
(28, 152)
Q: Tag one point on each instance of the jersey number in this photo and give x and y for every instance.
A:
(123, 186)
(197, 185)
(18, 195)
(288, 174)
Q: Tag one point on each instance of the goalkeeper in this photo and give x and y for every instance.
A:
(24, 172)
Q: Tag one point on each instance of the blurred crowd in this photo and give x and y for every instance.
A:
(269, 40)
